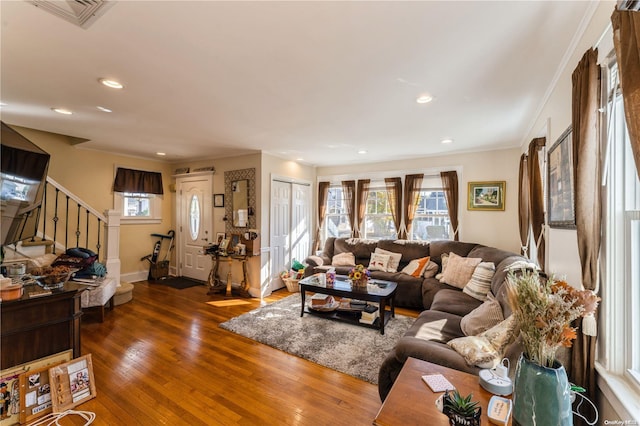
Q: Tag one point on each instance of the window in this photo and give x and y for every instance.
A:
(431, 220)
(378, 220)
(619, 348)
(337, 220)
(137, 196)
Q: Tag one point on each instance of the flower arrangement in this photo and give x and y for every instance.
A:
(359, 275)
(544, 310)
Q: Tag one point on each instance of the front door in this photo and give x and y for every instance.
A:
(195, 227)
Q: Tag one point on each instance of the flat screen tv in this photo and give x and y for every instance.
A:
(22, 179)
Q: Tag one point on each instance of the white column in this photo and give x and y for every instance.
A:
(112, 244)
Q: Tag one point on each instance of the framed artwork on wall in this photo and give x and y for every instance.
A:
(560, 192)
(486, 195)
(218, 200)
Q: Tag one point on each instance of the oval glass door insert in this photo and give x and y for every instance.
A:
(194, 217)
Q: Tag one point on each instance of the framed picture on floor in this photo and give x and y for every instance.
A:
(486, 195)
(561, 202)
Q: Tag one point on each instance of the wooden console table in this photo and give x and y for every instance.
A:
(216, 285)
(34, 328)
(411, 401)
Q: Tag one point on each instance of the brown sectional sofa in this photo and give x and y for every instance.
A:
(443, 306)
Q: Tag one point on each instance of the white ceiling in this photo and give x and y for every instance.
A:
(311, 80)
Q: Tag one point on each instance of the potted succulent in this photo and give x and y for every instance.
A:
(462, 411)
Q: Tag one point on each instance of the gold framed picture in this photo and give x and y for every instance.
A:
(487, 195)
(72, 383)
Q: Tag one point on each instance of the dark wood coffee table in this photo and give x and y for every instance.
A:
(411, 401)
(378, 291)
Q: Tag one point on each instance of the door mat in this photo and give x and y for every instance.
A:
(348, 348)
(179, 282)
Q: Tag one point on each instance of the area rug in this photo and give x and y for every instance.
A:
(178, 282)
(348, 348)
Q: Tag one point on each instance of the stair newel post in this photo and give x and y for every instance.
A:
(112, 244)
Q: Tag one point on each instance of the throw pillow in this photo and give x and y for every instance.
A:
(459, 270)
(430, 270)
(416, 267)
(483, 317)
(379, 262)
(394, 259)
(445, 259)
(487, 349)
(480, 282)
(344, 259)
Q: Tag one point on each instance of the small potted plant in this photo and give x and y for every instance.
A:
(462, 411)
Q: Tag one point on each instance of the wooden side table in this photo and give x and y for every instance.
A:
(216, 285)
(411, 401)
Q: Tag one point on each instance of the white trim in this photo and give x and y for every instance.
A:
(623, 397)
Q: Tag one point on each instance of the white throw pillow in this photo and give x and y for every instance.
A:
(486, 349)
(480, 282)
(445, 260)
(344, 259)
(416, 267)
(394, 259)
(379, 262)
(459, 270)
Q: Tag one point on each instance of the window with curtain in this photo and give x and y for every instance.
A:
(137, 195)
(378, 218)
(336, 222)
(619, 350)
(431, 220)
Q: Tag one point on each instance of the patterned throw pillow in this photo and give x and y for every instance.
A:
(394, 259)
(459, 270)
(483, 317)
(480, 282)
(344, 259)
(416, 267)
(487, 349)
(379, 262)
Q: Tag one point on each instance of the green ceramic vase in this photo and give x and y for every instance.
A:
(541, 395)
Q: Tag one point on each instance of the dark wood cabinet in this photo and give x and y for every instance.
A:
(34, 328)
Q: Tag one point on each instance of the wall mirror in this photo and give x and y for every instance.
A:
(240, 191)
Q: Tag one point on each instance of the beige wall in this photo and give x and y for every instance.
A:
(89, 175)
(492, 228)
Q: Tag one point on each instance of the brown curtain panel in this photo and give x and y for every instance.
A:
(128, 180)
(523, 205)
(323, 194)
(536, 197)
(363, 194)
(586, 166)
(349, 194)
(394, 194)
(412, 187)
(450, 188)
(626, 39)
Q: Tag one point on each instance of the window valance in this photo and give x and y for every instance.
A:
(128, 180)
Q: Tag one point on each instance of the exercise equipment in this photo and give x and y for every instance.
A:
(159, 269)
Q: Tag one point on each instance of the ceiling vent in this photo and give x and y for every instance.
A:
(82, 13)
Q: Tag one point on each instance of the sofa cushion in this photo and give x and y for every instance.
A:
(361, 249)
(435, 326)
(416, 267)
(379, 262)
(483, 317)
(394, 259)
(487, 349)
(344, 259)
(480, 282)
(454, 301)
(459, 270)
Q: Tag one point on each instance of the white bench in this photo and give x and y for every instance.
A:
(96, 298)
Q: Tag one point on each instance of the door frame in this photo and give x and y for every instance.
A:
(178, 211)
(290, 180)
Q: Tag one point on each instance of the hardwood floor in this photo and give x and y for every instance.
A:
(162, 359)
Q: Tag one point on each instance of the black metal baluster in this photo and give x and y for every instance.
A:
(98, 244)
(78, 227)
(55, 222)
(44, 209)
(66, 228)
(86, 244)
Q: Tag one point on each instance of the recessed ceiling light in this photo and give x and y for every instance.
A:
(299, 159)
(2, 104)
(62, 111)
(161, 154)
(362, 151)
(446, 141)
(425, 98)
(103, 109)
(111, 83)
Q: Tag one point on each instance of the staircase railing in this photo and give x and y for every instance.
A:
(68, 221)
